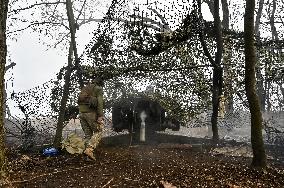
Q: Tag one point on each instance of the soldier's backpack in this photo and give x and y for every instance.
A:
(85, 94)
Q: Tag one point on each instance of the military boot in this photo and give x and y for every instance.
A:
(90, 153)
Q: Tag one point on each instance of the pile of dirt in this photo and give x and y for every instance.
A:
(155, 165)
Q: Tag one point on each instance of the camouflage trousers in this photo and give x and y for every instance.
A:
(92, 129)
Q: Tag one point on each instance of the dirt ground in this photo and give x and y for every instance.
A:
(161, 163)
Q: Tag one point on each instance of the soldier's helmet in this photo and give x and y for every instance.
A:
(99, 81)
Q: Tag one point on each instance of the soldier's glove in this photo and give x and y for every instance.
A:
(101, 123)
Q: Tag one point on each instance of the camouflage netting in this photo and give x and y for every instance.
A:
(151, 48)
(34, 122)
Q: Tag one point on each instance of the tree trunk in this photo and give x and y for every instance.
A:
(281, 102)
(260, 83)
(64, 99)
(72, 28)
(65, 95)
(226, 14)
(258, 16)
(274, 32)
(3, 53)
(217, 69)
(217, 72)
(259, 157)
(226, 57)
(274, 35)
(228, 80)
(217, 91)
(6, 109)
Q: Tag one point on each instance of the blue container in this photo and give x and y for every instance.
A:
(50, 152)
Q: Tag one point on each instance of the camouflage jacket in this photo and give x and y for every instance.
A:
(96, 101)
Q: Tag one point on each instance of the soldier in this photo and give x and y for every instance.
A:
(90, 103)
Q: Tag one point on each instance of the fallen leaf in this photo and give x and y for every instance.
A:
(167, 184)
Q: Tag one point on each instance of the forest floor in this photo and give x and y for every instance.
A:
(168, 162)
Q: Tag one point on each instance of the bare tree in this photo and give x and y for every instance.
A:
(259, 157)
(65, 95)
(216, 63)
(55, 24)
(3, 53)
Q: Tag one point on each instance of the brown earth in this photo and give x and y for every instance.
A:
(184, 163)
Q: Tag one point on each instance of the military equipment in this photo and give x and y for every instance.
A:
(141, 115)
(85, 94)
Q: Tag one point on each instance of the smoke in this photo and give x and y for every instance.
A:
(143, 116)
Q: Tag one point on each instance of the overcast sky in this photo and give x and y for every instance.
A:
(35, 62)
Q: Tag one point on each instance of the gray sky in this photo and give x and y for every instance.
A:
(34, 63)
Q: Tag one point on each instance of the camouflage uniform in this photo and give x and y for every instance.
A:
(89, 114)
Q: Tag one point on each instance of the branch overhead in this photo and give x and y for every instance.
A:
(36, 4)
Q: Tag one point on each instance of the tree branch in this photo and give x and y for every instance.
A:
(37, 4)
(81, 11)
(165, 24)
(37, 23)
(55, 45)
(9, 66)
